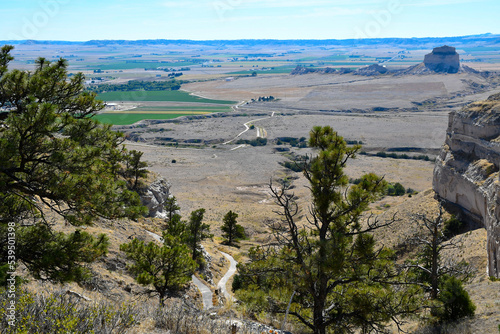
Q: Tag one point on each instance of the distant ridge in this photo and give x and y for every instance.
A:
(483, 40)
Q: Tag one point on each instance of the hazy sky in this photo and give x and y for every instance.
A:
(82, 20)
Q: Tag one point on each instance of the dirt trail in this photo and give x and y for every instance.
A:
(206, 293)
(247, 127)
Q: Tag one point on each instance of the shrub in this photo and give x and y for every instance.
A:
(396, 189)
(455, 300)
(452, 227)
(60, 313)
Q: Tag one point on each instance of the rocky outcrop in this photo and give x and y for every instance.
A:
(444, 59)
(467, 170)
(301, 70)
(154, 196)
(374, 69)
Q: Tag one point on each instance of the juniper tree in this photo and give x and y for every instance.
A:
(54, 157)
(340, 280)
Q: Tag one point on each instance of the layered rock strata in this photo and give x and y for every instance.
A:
(467, 170)
(444, 59)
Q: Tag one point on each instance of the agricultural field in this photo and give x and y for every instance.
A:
(167, 96)
(137, 114)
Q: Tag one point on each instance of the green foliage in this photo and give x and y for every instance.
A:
(168, 268)
(135, 169)
(59, 313)
(135, 85)
(442, 280)
(341, 279)
(131, 118)
(171, 206)
(254, 142)
(197, 231)
(232, 230)
(395, 189)
(453, 227)
(55, 157)
(158, 95)
(58, 256)
(177, 228)
(402, 156)
(455, 300)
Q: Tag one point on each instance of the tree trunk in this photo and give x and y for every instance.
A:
(434, 269)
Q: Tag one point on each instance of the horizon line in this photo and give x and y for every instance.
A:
(251, 39)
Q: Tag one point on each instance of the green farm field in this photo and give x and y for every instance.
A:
(131, 118)
(177, 109)
(170, 96)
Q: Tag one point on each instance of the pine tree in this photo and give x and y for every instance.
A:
(197, 231)
(54, 157)
(168, 267)
(171, 206)
(339, 280)
(232, 230)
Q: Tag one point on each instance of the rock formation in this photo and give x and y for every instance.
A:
(374, 69)
(444, 59)
(154, 196)
(467, 170)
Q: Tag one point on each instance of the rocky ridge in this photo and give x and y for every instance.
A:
(467, 171)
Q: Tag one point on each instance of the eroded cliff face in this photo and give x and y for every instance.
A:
(444, 59)
(467, 170)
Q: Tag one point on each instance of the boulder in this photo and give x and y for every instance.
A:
(467, 170)
(444, 59)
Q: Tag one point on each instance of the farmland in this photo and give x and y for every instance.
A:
(167, 96)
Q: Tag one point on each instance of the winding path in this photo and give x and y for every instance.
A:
(206, 293)
(247, 127)
(223, 281)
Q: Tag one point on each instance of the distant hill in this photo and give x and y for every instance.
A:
(483, 40)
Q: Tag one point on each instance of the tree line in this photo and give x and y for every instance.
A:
(135, 85)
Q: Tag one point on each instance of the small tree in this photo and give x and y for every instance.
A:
(431, 269)
(232, 230)
(171, 206)
(197, 231)
(437, 276)
(135, 168)
(166, 267)
(177, 228)
(455, 301)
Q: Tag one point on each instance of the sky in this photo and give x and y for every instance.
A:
(83, 20)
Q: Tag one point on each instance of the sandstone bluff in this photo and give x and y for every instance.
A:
(444, 59)
(467, 170)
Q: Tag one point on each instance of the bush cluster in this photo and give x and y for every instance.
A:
(253, 142)
(60, 313)
(135, 85)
